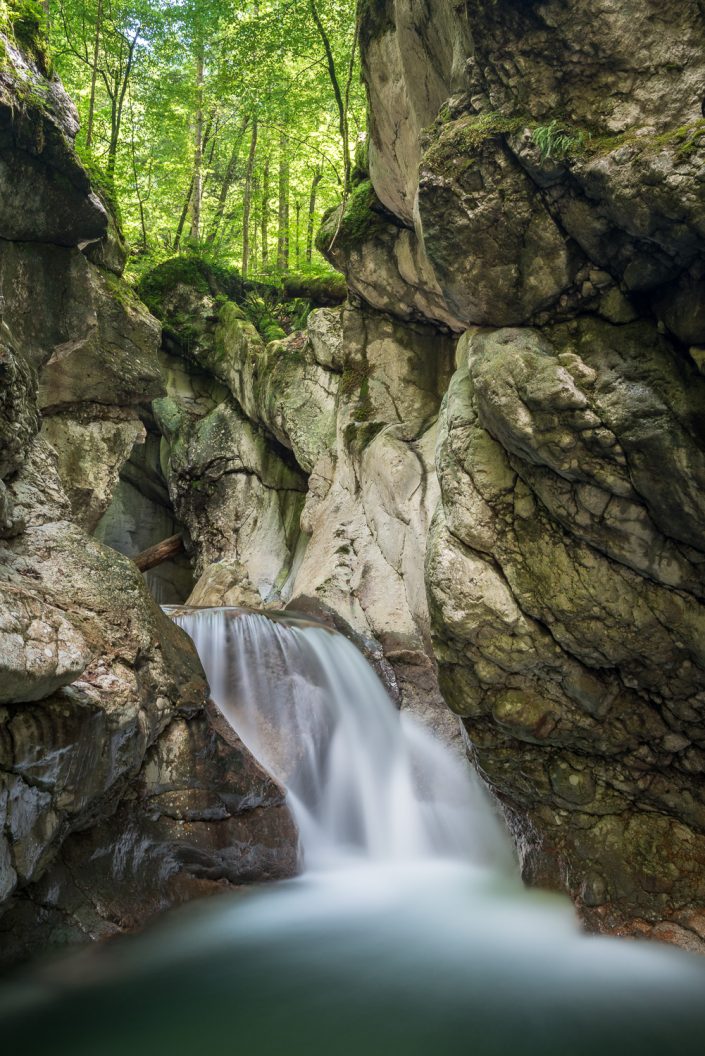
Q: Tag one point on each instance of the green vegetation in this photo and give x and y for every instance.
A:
(457, 142)
(203, 274)
(686, 139)
(103, 184)
(276, 307)
(225, 127)
(364, 214)
(355, 378)
(22, 21)
(556, 141)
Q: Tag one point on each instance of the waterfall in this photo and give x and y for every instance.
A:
(363, 782)
(406, 932)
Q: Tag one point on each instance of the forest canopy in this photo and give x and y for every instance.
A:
(224, 125)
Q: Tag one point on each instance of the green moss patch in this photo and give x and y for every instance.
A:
(685, 140)
(188, 269)
(363, 218)
(458, 142)
(24, 20)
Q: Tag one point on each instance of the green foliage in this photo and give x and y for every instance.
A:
(276, 308)
(24, 20)
(261, 314)
(201, 273)
(263, 67)
(556, 141)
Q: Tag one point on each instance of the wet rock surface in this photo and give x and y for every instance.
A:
(120, 794)
(303, 471)
(546, 162)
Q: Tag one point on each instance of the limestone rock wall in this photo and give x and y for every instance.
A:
(303, 472)
(536, 186)
(105, 742)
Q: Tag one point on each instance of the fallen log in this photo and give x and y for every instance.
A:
(158, 554)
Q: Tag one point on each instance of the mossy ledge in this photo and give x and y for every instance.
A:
(23, 22)
(364, 216)
(454, 144)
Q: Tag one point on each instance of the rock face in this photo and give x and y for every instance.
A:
(544, 162)
(119, 792)
(491, 459)
(303, 471)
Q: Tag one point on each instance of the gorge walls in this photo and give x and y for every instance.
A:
(119, 793)
(543, 164)
(487, 467)
(512, 399)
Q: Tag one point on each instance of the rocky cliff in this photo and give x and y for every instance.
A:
(542, 162)
(120, 793)
(487, 466)
(513, 398)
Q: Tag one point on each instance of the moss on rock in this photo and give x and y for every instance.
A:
(457, 142)
(188, 269)
(364, 216)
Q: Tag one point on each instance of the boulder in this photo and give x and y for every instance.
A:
(46, 194)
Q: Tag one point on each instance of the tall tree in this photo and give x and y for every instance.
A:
(284, 173)
(197, 192)
(339, 100)
(94, 71)
(247, 199)
(311, 219)
(228, 180)
(264, 216)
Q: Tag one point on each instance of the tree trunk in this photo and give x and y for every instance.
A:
(94, 70)
(122, 79)
(227, 183)
(297, 230)
(317, 177)
(184, 214)
(157, 555)
(265, 214)
(197, 193)
(247, 200)
(136, 180)
(254, 225)
(283, 241)
(341, 105)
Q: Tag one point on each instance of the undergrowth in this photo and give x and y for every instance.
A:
(556, 141)
(23, 21)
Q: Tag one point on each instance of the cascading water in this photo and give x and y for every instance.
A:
(408, 931)
(363, 782)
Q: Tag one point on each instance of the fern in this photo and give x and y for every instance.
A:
(555, 141)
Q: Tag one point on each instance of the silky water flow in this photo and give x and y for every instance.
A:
(408, 930)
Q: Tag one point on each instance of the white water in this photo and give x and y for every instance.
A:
(363, 782)
(407, 935)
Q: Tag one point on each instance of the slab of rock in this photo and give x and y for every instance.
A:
(46, 195)
(92, 444)
(39, 649)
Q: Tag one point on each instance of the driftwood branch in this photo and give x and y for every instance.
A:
(156, 555)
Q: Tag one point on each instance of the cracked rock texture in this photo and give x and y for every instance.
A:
(303, 471)
(119, 790)
(564, 562)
